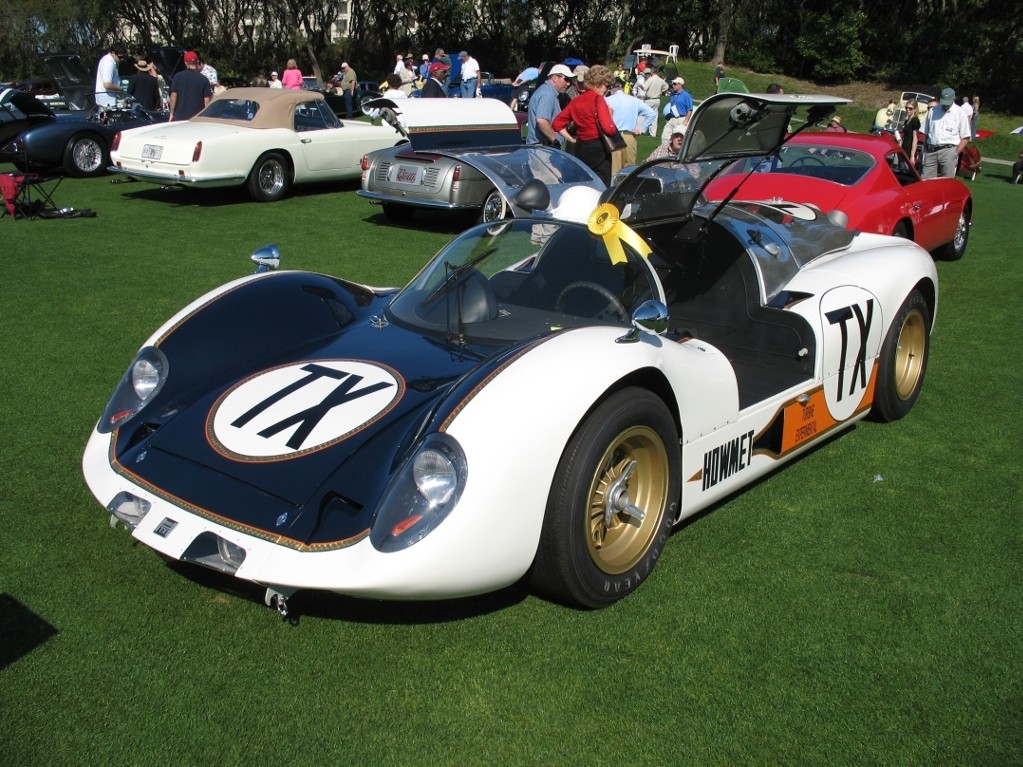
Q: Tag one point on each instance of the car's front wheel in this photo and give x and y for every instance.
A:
(957, 247)
(612, 502)
(85, 157)
(270, 178)
(494, 208)
(903, 360)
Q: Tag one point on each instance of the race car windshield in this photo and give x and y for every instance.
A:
(500, 283)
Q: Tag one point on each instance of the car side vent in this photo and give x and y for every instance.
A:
(430, 178)
(382, 170)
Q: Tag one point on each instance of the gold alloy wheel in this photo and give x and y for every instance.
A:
(627, 499)
(909, 355)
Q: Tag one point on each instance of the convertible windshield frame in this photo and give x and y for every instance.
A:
(506, 282)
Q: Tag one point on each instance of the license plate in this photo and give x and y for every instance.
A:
(408, 174)
(151, 152)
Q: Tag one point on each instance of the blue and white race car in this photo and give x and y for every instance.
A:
(547, 399)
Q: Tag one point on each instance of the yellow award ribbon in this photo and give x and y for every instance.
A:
(605, 222)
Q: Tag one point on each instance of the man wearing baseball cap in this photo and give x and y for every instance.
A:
(669, 148)
(947, 132)
(434, 88)
(544, 107)
(190, 91)
(678, 110)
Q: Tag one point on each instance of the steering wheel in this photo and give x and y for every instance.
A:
(615, 309)
(806, 160)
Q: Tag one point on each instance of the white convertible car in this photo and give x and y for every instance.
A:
(267, 139)
(547, 399)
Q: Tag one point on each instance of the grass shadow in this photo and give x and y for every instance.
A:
(339, 607)
(22, 630)
(221, 196)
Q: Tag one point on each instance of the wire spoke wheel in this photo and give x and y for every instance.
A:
(494, 208)
(85, 157)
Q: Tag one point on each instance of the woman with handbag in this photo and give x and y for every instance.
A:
(595, 131)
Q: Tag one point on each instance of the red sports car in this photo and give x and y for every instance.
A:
(866, 177)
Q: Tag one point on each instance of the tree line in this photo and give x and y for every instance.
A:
(975, 46)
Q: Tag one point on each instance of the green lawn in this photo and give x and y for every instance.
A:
(862, 607)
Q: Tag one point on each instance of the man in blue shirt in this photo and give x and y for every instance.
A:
(521, 84)
(632, 118)
(544, 107)
(678, 110)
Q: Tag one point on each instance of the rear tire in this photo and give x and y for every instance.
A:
(494, 208)
(901, 230)
(270, 178)
(85, 157)
(594, 549)
(903, 360)
(955, 249)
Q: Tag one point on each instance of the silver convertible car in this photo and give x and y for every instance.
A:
(456, 148)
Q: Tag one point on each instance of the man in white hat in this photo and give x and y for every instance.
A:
(544, 107)
(947, 132)
(678, 110)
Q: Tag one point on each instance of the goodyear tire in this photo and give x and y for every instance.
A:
(612, 504)
(85, 157)
(903, 360)
(270, 178)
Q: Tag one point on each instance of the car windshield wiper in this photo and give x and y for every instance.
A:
(454, 272)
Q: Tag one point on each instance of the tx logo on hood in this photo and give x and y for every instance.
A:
(299, 408)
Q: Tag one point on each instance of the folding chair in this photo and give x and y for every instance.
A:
(36, 196)
(35, 192)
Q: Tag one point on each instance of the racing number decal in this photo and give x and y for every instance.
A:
(296, 409)
(842, 318)
(852, 335)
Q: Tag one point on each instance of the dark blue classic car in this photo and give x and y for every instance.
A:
(36, 138)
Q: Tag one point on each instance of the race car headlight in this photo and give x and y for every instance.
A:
(141, 382)
(420, 495)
